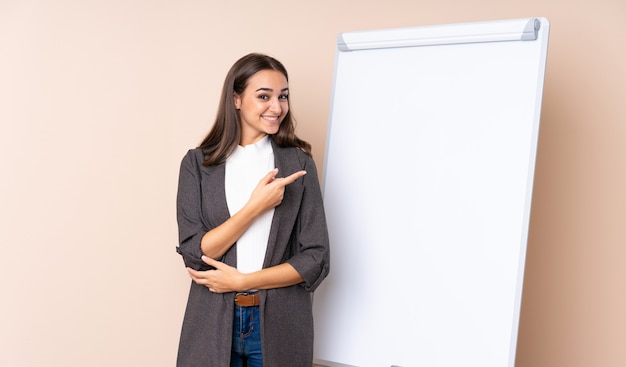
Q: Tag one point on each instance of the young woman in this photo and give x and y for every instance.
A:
(252, 229)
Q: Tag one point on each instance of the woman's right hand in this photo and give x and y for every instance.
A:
(270, 191)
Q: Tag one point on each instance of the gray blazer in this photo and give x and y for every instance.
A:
(298, 236)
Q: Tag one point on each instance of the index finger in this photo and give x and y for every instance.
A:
(292, 177)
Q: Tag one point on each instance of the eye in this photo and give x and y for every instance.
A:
(264, 97)
(284, 97)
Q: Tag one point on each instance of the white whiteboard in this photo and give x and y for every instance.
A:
(427, 184)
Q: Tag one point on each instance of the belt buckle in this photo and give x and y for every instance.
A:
(253, 295)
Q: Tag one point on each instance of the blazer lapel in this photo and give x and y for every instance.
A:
(213, 183)
(216, 208)
(287, 162)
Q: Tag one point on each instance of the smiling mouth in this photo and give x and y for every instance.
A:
(271, 118)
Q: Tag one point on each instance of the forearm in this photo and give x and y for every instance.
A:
(278, 276)
(217, 241)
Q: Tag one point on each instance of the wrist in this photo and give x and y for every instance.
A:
(243, 282)
(251, 210)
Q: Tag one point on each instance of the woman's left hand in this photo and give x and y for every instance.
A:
(224, 278)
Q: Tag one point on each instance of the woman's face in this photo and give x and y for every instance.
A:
(262, 106)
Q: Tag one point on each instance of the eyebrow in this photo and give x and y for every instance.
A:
(270, 89)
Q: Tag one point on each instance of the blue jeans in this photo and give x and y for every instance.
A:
(246, 350)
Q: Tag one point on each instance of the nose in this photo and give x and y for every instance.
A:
(275, 106)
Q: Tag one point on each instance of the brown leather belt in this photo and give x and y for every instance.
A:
(246, 299)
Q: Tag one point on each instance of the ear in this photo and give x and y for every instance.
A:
(237, 100)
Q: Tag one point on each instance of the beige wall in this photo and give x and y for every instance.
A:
(99, 100)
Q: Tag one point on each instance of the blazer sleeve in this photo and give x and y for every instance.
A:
(312, 255)
(191, 227)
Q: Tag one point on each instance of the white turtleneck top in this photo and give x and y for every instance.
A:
(244, 169)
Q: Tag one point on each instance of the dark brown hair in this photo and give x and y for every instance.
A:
(225, 134)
